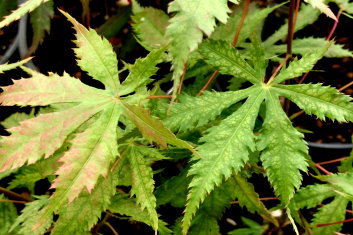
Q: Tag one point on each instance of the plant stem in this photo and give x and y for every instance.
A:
(13, 201)
(333, 29)
(111, 228)
(334, 26)
(13, 194)
(332, 161)
(346, 86)
(322, 169)
(159, 96)
(261, 199)
(214, 74)
(277, 70)
(291, 26)
(338, 222)
(240, 26)
(234, 43)
(182, 79)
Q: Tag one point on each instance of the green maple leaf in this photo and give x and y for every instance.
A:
(225, 148)
(41, 21)
(89, 125)
(21, 11)
(186, 28)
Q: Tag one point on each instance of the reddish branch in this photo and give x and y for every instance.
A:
(14, 195)
(278, 69)
(338, 222)
(291, 26)
(234, 43)
(332, 161)
(333, 29)
(322, 169)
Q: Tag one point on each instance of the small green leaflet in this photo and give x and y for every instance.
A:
(142, 182)
(41, 21)
(319, 4)
(150, 25)
(185, 29)
(23, 9)
(284, 150)
(6, 67)
(332, 212)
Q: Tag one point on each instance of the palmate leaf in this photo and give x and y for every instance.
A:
(230, 143)
(142, 182)
(23, 9)
(284, 150)
(185, 30)
(88, 126)
(322, 101)
(191, 112)
(228, 60)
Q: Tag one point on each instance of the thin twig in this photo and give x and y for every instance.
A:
(278, 69)
(332, 161)
(346, 86)
(13, 194)
(13, 201)
(214, 74)
(111, 228)
(290, 28)
(159, 96)
(234, 43)
(322, 169)
(333, 29)
(296, 14)
(261, 199)
(338, 222)
(96, 229)
(240, 26)
(180, 88)
(334, 25)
